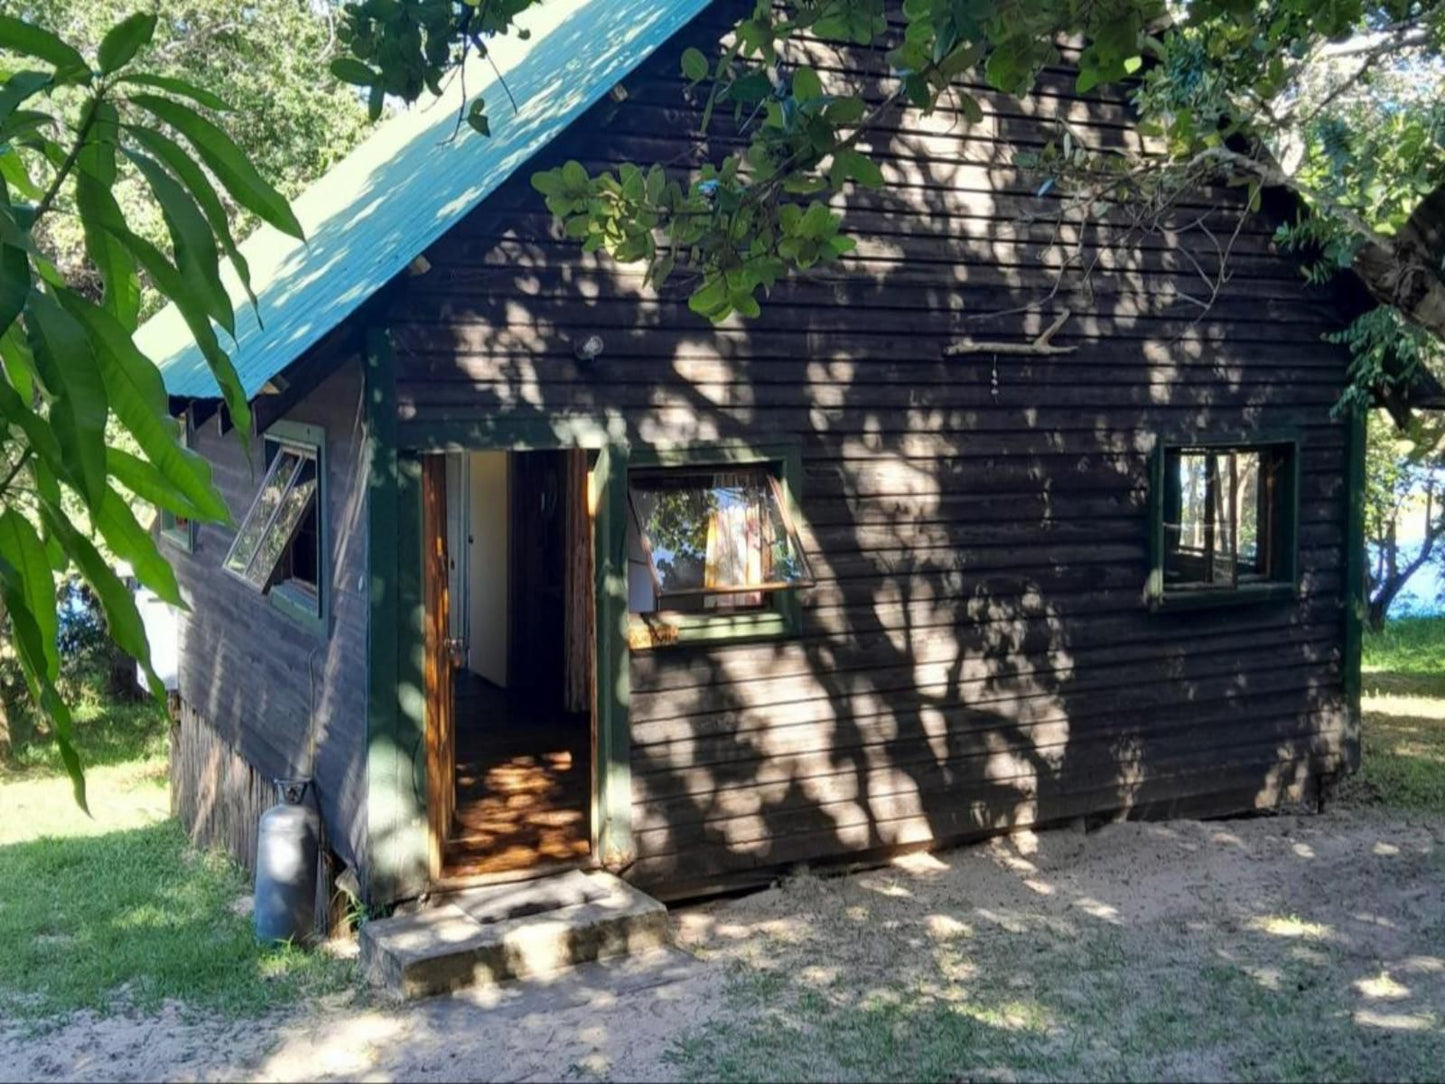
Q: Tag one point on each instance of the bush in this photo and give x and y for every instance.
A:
(87, 665)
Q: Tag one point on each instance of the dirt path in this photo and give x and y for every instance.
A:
(1275, 946)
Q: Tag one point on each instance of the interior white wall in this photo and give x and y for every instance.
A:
(487, 567)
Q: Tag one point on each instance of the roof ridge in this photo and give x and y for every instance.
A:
(361, 234)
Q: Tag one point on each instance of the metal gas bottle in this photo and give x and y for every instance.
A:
(286, 853)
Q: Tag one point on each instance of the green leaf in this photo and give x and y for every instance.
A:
(149, 484)
(194, 178)
(122, 619)
(98, 212)
(844, 111)
(132, 543)
(18, 364)
(38, 432)
(1088, 80)
(350, 70)
(138, 397)
(78, 405)
(231, 167)
(124, 40)
(178, 86)
(18, 36)
(806, 85)
(375, 102)
(18, 88)
(694, 65)
(477, 118)
(30, 649)
(14, 174)
(20, 545)
(173, 285)
(861, 168)
(191, 240)
(97, 156)
(14, 284)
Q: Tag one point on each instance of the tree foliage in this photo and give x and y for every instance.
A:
(1228, 92)
(73, 124)
(266, 58)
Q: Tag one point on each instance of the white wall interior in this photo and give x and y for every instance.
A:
(487, 567)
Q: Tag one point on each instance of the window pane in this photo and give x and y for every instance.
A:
(1220, 515)
(248, 539)
(274, 542)
(718, 536)
(304, 561)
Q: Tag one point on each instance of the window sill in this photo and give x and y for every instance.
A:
(1200, 598)
(668, 630)
(300, 606)
(181, 540)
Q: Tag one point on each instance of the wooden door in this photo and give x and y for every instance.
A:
(440, 724)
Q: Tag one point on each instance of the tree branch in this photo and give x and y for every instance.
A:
(1040, 346)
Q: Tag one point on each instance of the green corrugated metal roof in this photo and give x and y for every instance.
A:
(404, 187)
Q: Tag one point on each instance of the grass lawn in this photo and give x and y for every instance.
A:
(117, 910)
(1404, 702)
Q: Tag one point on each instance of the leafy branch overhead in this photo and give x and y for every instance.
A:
(71, 127)
(1226, 94)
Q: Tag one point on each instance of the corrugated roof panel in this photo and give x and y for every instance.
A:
(405, 186)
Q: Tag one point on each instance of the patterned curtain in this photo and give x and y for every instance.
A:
(736, 552)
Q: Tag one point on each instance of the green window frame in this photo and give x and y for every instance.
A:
(1203, 559)
(179, 531)
(289, 448)
(781, 616)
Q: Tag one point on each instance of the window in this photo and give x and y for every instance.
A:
(177, 529)
(279, 547)
(1225, 522)
(712, 550)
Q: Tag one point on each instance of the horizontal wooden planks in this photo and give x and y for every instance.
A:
(978, 525)
(263, 682)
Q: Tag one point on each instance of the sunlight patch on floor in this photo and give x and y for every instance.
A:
(1404, 707)
(1291, 926)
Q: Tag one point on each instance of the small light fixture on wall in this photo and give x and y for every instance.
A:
(589, 349)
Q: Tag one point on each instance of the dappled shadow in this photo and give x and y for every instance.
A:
(976, 654)
(1192, 951)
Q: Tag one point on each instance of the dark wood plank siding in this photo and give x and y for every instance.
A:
(976, 653)
(256, 675)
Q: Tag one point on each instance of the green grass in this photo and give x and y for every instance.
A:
(1404, 714)
(107, 731)
(117, 910)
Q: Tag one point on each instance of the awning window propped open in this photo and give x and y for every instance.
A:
(710, 533)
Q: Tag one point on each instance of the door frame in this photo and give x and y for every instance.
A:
(611, 783)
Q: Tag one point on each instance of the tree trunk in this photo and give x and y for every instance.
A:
(1404, 272)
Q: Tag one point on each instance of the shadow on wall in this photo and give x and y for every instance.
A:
(976, 653)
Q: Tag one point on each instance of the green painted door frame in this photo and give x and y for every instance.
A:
(1355, 597)
(396, 757)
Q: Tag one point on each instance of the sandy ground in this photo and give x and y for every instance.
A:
(1358, 895)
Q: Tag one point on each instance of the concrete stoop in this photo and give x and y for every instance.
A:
(491, 935)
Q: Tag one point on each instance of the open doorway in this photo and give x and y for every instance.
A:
(516, 639)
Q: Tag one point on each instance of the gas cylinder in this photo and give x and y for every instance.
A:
(286, 854)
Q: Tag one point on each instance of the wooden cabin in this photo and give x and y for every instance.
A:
(531, 567)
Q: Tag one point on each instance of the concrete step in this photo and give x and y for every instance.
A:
(484, 936)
